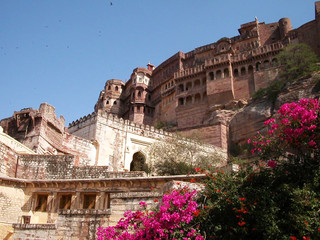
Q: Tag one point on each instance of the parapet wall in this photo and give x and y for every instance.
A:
(119, 123)
(42, 167)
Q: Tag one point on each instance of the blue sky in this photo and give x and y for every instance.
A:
(63, 51)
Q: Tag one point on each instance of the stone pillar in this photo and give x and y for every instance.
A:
(50, 202)
(75, 201)
(55, 202)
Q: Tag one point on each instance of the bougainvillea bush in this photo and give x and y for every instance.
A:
(278, 196)
(173, 219)
(275, 197)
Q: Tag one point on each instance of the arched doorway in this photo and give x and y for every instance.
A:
(138, 162)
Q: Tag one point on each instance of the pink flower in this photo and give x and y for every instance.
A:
(312, 143)
(272, 164)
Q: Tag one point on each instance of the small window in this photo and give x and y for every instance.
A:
(189, 86)
(65, 201)
(109, 87)
(258, 66)
(226, 72)
(41, 204)
(115, 103)
(138, 109)
(250, 69)
(211, 75)
(107, 102)
(117, 89)
(236, 73)
(188, 100)
(139, 94)
(89, 201)
(243, 71)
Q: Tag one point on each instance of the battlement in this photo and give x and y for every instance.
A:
(188, 72)
(114, 121)
(218, 60)
(82, 119)
(205, 48)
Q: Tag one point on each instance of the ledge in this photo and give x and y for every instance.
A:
(34, 226)
(84, 211)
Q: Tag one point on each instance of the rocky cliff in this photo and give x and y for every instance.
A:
(246, 121)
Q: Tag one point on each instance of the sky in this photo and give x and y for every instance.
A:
(63, 51)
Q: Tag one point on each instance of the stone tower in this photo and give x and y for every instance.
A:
(139, 102)
(284, 27)
(109, 98)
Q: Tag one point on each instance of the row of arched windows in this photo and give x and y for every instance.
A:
(192, 99)
(109, 102)
(116, 88)
(241, 71)
(141, 109)
(192, 84)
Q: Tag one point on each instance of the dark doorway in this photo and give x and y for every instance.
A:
(138, 162)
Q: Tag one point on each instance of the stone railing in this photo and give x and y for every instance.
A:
(84, 211)
(34, 226)
(189, 71)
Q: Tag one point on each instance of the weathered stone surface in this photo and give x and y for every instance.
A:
(248, 121)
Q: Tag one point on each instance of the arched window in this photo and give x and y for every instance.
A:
(250, 69)
(107, 102)
(211, 75)
(189, 86)
(226, 72)
(139, 94)
(115, 103)
(236, 73)
(181, 101)
(266, 64)
(109, 87)
(188, 100)
(258, 66)
(138, 162)
(117, 89)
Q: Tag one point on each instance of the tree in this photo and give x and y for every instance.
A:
(297, 60)
(277, 197)
(178, 155)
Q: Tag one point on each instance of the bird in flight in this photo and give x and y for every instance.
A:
(111, 3)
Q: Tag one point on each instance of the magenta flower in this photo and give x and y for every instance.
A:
(272, 164)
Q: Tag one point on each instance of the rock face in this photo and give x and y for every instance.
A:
(248, 120)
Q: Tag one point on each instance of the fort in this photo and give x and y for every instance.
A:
(60, 182)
